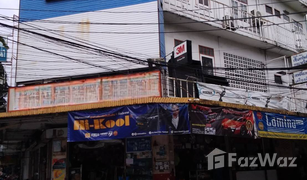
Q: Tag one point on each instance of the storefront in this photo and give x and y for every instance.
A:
(174, 141)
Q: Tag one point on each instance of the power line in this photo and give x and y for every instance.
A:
(141, 23)
(227, 78)
(144, 61)
(124, 12)
(156, 32)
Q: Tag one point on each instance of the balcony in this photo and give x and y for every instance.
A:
(242, 23)
(175, 87)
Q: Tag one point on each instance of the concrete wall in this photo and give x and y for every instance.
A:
(220, 46)
(88, 23)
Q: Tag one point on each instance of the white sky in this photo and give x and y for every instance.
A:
(13, 5)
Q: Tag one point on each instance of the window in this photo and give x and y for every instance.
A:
(286, 17)
(204, 2)
(177, 42)
(243, 1)
(235, 9)
(244, 12)
(277, 13)
(277, 79)
(298, 27)
(207, 65)
(206, 51)
(268, 9)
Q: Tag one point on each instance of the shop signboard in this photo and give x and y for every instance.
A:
(86, 91)
(300, 77)
(221, 121)
(128, 121)
(272, 125)
(299, 59)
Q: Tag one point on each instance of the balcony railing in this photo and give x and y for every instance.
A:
(254, 26)
(184, 88)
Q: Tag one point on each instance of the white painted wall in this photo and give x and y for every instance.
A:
(221, 45)
(34, 64)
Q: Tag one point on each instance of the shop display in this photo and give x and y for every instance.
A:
(59, 160)
(139, 159)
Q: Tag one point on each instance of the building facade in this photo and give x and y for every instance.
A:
(147, 89)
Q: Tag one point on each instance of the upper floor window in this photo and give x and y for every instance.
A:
(298, 27)
(206, 51)
(204, 2)
(243, 1)
(277, 13)
(286, 17)
(239, 9)
(177, 42)
(269, 9)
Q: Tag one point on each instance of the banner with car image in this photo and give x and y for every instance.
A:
(272, 125)
(128, 121)
(221, 121)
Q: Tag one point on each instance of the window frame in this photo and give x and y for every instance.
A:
(177, 41)
(279, 15)
(204, 5)
(205, 47)
(213, 63)
(285, 15)
(268, 7)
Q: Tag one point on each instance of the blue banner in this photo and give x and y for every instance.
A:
(280, 126)
(128, 121)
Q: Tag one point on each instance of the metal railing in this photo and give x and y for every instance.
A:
(175, 87)
(180, 88)
(219, 15)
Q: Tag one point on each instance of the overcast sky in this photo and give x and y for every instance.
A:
(13, 5)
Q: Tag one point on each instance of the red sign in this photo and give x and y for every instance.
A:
(180, 49)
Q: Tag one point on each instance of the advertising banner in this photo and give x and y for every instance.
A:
(221, 121)
(86, 91)
(273, 125)
(240, 96)
(128, 121)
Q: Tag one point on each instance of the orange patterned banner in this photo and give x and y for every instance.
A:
(138, 85)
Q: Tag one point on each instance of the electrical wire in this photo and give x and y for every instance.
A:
(270, 84)
(124, 12)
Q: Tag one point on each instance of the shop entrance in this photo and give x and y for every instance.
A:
(97, 160)
(190, 157)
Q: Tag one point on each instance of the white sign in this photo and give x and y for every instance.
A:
(240, 96)
(216, 160)
(300, 77)
(180, 49)
(299, 59)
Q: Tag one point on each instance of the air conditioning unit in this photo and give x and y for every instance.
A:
(256, 13)
(229, 23)
(55, 133)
